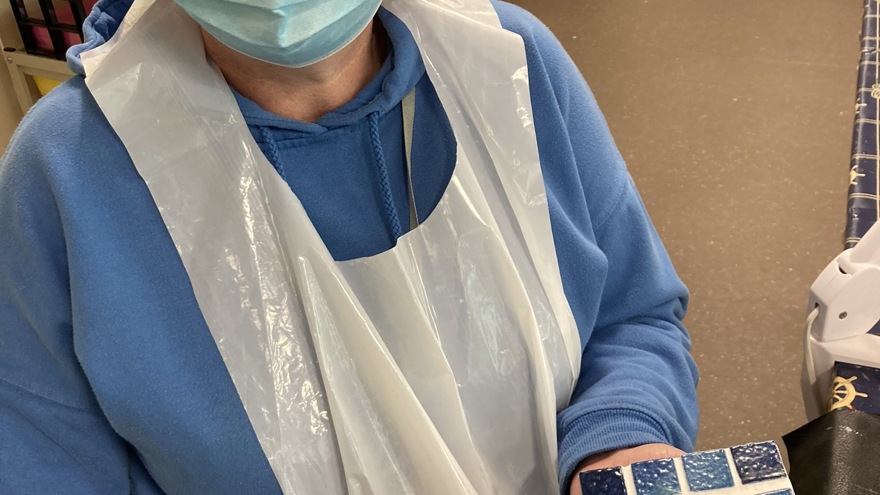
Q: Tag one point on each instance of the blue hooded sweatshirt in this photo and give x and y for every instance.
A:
(110, 381)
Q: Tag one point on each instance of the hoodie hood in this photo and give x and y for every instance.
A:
(98, 27)
(403, 69)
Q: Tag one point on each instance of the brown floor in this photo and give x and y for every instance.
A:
(735, 119)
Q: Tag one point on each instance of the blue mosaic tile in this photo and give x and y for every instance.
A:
(757, 462)
(603, 482)
(780, 492)
(856, 387)
(656, 478)
(707, 470)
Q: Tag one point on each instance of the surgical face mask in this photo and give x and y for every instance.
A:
(292, 33)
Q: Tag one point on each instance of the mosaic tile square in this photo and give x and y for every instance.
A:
(758, 462)
(603, 482)
(707, 470)
(656, 478)
(751, 469)
(855, 388)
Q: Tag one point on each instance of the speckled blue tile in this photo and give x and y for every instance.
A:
(707, 470)
(757, 462)
(656, 478)
(603, 482)
(711, 473)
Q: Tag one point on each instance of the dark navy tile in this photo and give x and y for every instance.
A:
(780, 492)
(856, 387)
(656, 478)
(875, 330)
(707, 470)
(603, 482)
(757, 462)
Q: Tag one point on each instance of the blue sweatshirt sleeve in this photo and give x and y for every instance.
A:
(48, 415)
(637, 381)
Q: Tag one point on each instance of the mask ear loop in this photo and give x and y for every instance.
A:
(408, 109)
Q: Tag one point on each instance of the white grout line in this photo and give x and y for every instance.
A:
(629, 480)
(877, 131)
(737, 481)
(682, 479)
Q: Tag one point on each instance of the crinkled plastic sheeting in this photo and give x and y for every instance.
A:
(434, 368)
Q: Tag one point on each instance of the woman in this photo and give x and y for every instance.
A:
(114, 378)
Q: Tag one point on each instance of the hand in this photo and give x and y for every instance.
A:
(623, 457)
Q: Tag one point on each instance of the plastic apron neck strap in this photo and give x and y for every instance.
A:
(408, 109)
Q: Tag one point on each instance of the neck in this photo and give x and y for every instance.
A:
(304, 93)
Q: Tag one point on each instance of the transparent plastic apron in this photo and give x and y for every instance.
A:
(436, 367)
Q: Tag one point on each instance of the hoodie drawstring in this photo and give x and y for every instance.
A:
(391, 213)
(274, 155)
(384, 183)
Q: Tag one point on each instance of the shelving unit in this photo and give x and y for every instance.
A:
(22, 66)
